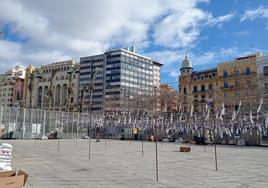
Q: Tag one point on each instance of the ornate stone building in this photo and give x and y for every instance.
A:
(196, 88)
(11, 86)
(53, 86)
(228, 84)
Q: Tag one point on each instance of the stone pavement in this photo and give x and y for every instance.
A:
(120, 164)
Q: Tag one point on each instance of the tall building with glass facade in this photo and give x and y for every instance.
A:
(124, 80)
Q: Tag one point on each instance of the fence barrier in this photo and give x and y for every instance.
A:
(21, 123)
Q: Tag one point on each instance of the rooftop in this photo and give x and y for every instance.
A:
(205, 71)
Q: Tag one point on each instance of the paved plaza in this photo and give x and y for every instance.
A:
(119, 164)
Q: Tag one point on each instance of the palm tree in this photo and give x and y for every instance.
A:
(34, 75)
(71, 74)
(50, 91)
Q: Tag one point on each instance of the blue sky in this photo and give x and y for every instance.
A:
(37, 31)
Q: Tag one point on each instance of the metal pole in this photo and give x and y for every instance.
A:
(105, 144)
(61, 122)
(36, 123)
(90, 119)
(67, 123)
(204, 137)
(156, 152)
(77, 125)
(1, 116)
(9, 119)
(73, 125)
(44, 124)
(23, 123)
(31, 123)
(215, 145)
(58, 145)
(142, 148)
(17, 116)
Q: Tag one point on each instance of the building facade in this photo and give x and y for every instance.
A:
(197, 89)
(262, 70)
(229, 84)
(238, 82)
(123, 80)
(53, 86)
(11, 86)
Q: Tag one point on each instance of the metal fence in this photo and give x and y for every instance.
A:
(21, 123)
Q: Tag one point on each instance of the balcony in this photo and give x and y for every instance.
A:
(227, 77)
(230, 76)
(203, 91)
(230, 87)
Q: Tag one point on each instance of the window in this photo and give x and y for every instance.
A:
(210, 86)
(237, 82)
(265, 71)
(185, 90)
(236, 73)
(248, 82)
(203, 88)
(226, 85)
(266, 87)
(226, 94)
(195, 89)
(247, 71)
(203, 98)
(225, 74)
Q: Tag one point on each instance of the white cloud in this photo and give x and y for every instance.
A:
(260, 12)
(166, 57)
(181, 28)
(174, 73)
(212, 21)
(67, 28)
(241, 33)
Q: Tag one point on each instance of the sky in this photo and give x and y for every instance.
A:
(211, 31)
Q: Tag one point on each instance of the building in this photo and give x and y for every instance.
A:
(11, 86)
(238, 82)
(262, 70)
(168, 98)
(230, 83)
(53, 86)
(123, 80)
(197, 89)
